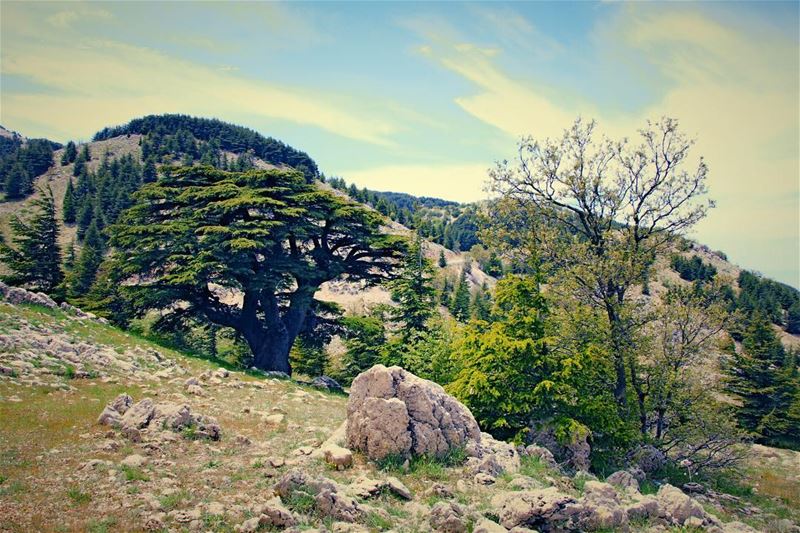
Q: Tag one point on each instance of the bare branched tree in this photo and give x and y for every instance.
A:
(601, 211)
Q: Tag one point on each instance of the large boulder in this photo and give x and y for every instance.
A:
(391, 411)
(679, 507)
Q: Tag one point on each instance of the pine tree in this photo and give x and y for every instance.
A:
(793, 318)
(413, 291)
(442, 259)
(70, 153)
(85, 217)
(70, 257)
(461, 298)
(481, 304)
(70, 207)
(759, 377)
(149, 173)
(35, 259)
(89, 261)
(17, 183)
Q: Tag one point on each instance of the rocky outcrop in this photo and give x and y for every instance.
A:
(327, 383)
(394, 412)
(542, 509)
(131, 418)
(448, 517)
(16, 296)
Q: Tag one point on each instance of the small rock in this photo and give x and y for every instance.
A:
(337, 456)
(134, 461)
(448, 517)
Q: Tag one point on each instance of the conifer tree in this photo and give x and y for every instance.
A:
(461, 299)
(17, 183)
(481, 305)
(70, 153)
(765, 381)
(70, 207)
(89, 260)
(34, 258)
(85, 217)
(268, 234)
(413, 290)
(442, 259)
(793, 318)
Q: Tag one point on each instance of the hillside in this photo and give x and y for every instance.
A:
(61, 470)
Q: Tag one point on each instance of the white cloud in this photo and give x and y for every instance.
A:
(734, 88)
(95, 83)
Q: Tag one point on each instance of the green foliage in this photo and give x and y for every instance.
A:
(177, 135)
(91, 256)
(268, 234)
(505, 365)
(70, 208)
(764, 378)
(460, 306)
(308, 357)
(413, 291)
(364, 338)
(20, 164)
(34, 258)
(69, 154)
(430, 353)
(442, 259)
(770, 298)
(693, 269)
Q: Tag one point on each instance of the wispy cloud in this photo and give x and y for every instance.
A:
(734, 88)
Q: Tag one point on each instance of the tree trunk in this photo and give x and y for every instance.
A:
(273, 354)
(618, 347)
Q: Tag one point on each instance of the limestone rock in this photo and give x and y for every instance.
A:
(327, 383)
(274, 514)
(338, 506)
(624, 480)
(337, 456)
(391, 411)
(487, 526)
(533, 508)
(448, 517)
(678, 506)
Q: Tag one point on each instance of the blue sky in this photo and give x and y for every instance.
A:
(424, 97)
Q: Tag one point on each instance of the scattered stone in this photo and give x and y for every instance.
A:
(624, 480)
(327, 383)
(274, 514)
(397, 487)
(274, 419)
(484, 479)
(544, 455)
(534, 508)
(339, 457)
(448, 517)
(487, 526)
(391, 411)
(134, 461)
(338, 506)
(677, 505)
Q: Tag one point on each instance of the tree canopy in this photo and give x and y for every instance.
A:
(247, 250)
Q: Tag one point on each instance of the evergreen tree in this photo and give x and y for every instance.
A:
(765, 385)
(461, 299)
(267, 233)
(85, 217)
(89, 261)
(442, 259)
(793, 318)
(70, 257)
(413, 291)
(34, 259)
(70, 153)
(17, 183)
(364, 337)
(149, 172)
(481, 304)
(70, 207)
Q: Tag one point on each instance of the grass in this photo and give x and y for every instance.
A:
(106, 525)
(133, 473)
(425, 466)
(171, 501)
(301, 502)
(532, 467)
(78, 497)
(375, 520)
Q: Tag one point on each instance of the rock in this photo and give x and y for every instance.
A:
(741, 527)
(439, 490)
(327, 383)
(139, 415)
(207, 427)
(624, 480)
(484, 479)
(524, 483)
(221, 373)
(546, 508)
(195, 390)
(16, 296)
(487, 526)
(250, 525)
(365, 487)
(397, 487)
(134, 461)
(121, 403)
(391, 411)
(274, 419)
(678, 506)
(645, 508)
(448, 517)
(544, 455)
(693, 488)
(296, 480)
(338, 506)
(154, 522)
(647, 458)
(504, 454)
(600, 508)
(337, 456)
(172, 416)
(109, 417)
(274, 514)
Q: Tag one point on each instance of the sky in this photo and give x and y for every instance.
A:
(424, 97)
